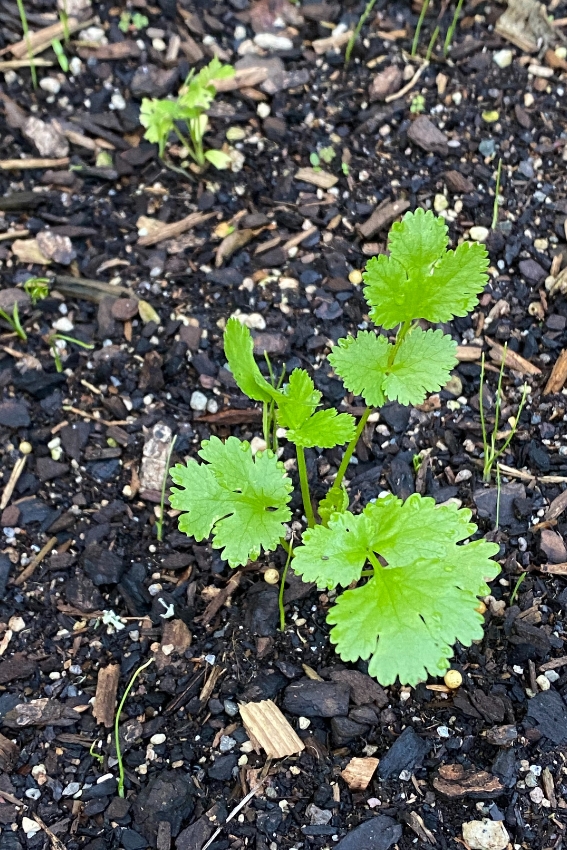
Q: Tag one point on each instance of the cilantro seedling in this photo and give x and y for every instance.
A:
(37, 288)
(417, 104)
(14, 322)
(162, 117)
(59, 51)
(54, 338)
(117, 725)
(411, 578)
(129, 21)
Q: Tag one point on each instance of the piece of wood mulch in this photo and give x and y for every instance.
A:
(358, 773)
(512, 359)
(9, 752)
(105, 698)
(176, 228)
(384, 214)
(268, 729)
(558, 375)
(455, 782)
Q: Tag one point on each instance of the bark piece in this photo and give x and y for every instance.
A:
(358, 773)
(9, 753)
(455, 782)
(383, 215)
(427, 136)
(176, 228)
(105, 697)
(513, 360)
(321, 179)
(457, 182)
(268, 729)
(387, 81)
(558, 375)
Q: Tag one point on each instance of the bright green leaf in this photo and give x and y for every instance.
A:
(335, 502)
(299, 400)
(420, 280)
(241, 499)
(239, 351)
(335, 555)
(158, 117)
(422, 365)
(424, 592)
(361, 362)
(324, 429)
(219, 159)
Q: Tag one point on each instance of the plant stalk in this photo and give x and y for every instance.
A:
(304, 484)
(349, 451)
(422, 15)
(117, 726)
(282, 586)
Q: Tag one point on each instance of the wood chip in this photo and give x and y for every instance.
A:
(553, 569)
(333, 42)
(234, 242)
(37, 162)
(556, 508)
(384, 214)
(243, 78)
(176, 637)
(176, 228)
(358, 773)
(513, 360)
(9, 753)
(105, 698)
(12, 481)
(456, 782)
(558, 375)
(554, 664)
(30, 569)
(28, 251)
(468, 353)
(268, 729)
(549, 787)
(42, 39)
(118, 50)
(321, 179)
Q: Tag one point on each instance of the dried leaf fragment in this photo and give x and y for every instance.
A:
(358, 773)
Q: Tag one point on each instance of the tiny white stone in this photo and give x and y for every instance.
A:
(75, 66)
(503, 58)
(304, 723)
(257, 444)
(443, 732)
(552, 675)
(71, 789)
(158, 44)
(29, 826)
(33, 793)
(158, 738)
(463, 475)
(239, 33)
(479, 234)
(16, 624)
(64, 325)
(485, 835)
(272, 42)
(117, 101)
(10, 77)
(263, 110)
(95, 34)
(198, 401)
(50, 84)
(543, 683)
(537, 795)
(254, 321)
(212, 405)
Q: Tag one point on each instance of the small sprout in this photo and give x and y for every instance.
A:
(14, 322)
(315, 161)
(345, 168)
(453, 679)
(417, 104)
(60, 53)
(37, 288)
(327, 154)
(271, 576)
(129, 21)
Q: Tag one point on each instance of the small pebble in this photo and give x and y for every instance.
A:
(230, 707)
(75, 66)
(117, 101)
(29, 826)
(271, 576)
(263, 110)
(51, 85)
(25, 447)
(543, 683)
(16, 624)
(503, 58)
(198, 401)
(304, 723)
(273, 42)
(158, 738)
(71, 789)
(33, 793)
(355, 277)
(443, 732)
(440, 203)
(258, 444)
(226, 744)
(453, 679)
(537, 796)
(552, 675)
(254, 321)
(479, 234)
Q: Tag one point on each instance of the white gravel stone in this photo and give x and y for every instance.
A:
(479, 234)
(254, 321)
(75, 66)
(158, 738)
(71, 789)
(485, 835)
(537, 796)
(29, 826)
(503, 58)
(268, 41)
(63, 325)
(50, 84)
(198, 401)
(117, 101)
(263, 110)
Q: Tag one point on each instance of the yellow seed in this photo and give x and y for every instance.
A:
(271, 576)
(481, 608)
(355, 277)
(26, 448)
(453, 679)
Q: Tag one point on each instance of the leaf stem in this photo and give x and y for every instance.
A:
(304, 483)
(282, 586)
(349, 451)
(117, 726)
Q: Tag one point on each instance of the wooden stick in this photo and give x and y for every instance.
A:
(40, 162)
(105, 697)
(408, 86)
(93, 418)
(513, 360)
(12, 481)
(13, 234)
(558, 375)
(12, 64)
(30, 569)
(41, 40)
(268, 728)
(176, 228)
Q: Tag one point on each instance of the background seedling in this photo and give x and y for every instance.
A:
(517, 588)
(491, 453)
(161, 117)
(117, 726)
(14, 321)
(37, 288)
(417, 104)
(423, 587)
(60, 53)
(53, 338)
(496, 196)
(135, 21)
(25, 30)
(159, 521)
(431, 44)
(417, 32)
(354, 37)
(452, 28)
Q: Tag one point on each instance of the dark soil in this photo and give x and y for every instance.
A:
(106, 592)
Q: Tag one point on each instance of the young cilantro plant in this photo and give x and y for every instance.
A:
(411, 577)
(161, 117)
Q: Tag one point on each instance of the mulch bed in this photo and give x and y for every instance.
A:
(89, 593)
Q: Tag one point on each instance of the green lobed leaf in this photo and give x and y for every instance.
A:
(361, 362)
(242, 499)
(424, 591)
(420, 280)
(239, 351)
(334, 502)
(158, 117)
(422, 365)
(307, 428)
(219, 159)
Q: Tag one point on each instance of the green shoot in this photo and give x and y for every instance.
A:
(25, 29)
(14, 322)
(416, 35)
(516, 588)
(60, 53)
(315, 161)
(282, 586)
(327, 154)
(345, 168)
(97, 756)
(431, 44)
(37, 288)
(159, 522)
(498, 495)
(354, 37)
(413, 589)
(162, 117)
(496, 197)
(452, 28)
(117, 726)
(54, 337)
(129, 21)
(491, 453)
(64, 18)
(417, 104)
